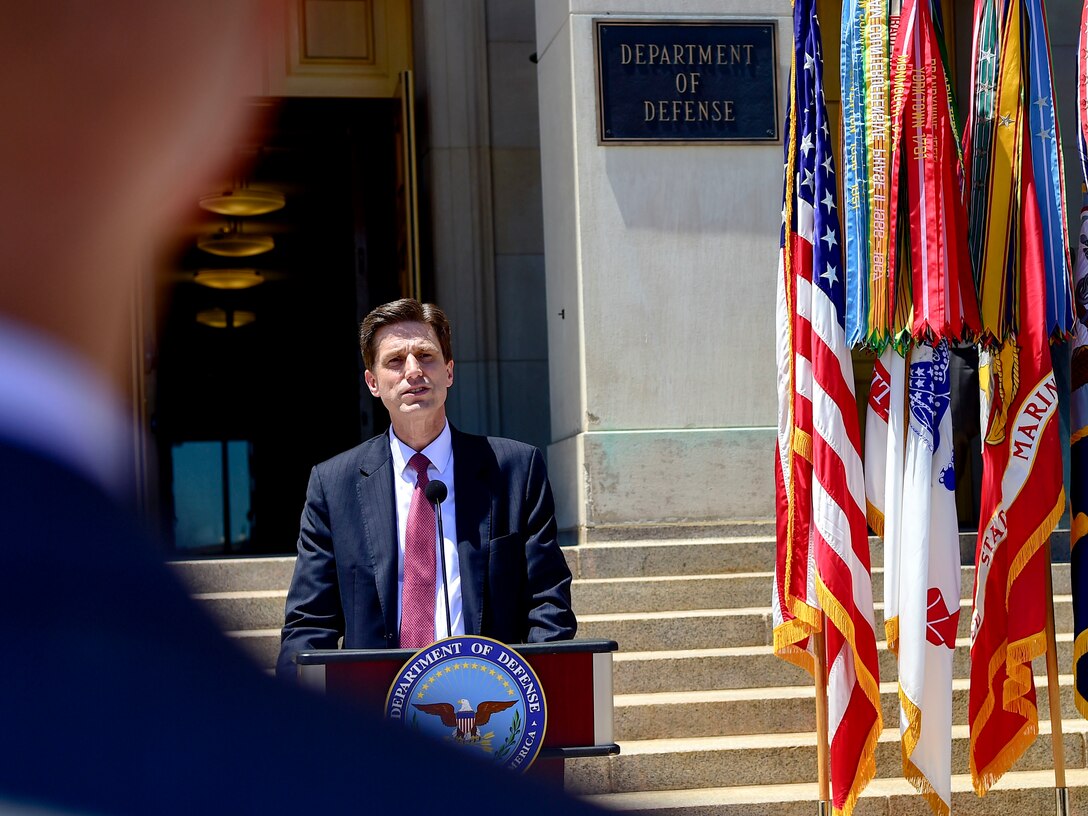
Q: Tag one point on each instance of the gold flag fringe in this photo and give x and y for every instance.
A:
(866, 769)
(911, 771)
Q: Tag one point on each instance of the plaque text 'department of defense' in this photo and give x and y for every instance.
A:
(690, 81)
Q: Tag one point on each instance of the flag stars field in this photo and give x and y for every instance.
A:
(818, 467)
(830, 239)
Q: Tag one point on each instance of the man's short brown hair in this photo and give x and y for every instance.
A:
(405, 310)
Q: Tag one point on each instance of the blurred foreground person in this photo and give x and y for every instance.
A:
(117, 694)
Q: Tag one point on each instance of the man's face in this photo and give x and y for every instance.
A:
(409, 374)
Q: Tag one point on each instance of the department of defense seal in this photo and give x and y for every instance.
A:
(475, 694)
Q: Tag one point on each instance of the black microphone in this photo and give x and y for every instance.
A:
(436, 493)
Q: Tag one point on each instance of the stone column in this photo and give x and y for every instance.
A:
(456, 179)
(660, 265)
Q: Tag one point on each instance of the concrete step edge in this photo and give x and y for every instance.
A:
(637, 531)
(671, 542)
(699, 576)
(606, 617)
(768, 574)
(253, 633)
(756, 651)
(240, 594)
(599, 617)
(776, 692)
(801, 739)
(694, 654)
(770, 794)
(232, 559)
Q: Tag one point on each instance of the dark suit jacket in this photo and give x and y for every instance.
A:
(515, 583)
(118, 695)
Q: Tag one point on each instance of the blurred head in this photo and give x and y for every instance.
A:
(117, 113)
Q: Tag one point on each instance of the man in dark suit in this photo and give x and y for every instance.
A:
(505, 574)
(118, 695)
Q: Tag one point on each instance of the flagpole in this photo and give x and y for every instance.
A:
(823, 762)
(1061, 792)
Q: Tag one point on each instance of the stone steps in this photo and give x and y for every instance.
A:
(632, 591)
(1015, 794)
(775, 759)
(671, 557)
(596, 596)
(246, 609)
(739, 667)
(637, 617)
(777, 710)
(700, 699)
(708, 628)
(215, 575)
(662, 557)
(240, 589)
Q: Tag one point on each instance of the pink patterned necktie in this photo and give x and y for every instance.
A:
(417, 600)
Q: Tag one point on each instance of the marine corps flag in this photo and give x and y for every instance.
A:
(822, 566)
(1022, 500)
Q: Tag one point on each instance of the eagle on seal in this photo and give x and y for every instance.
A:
(464, 719)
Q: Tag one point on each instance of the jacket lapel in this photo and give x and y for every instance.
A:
(472, 479)
(377, 512)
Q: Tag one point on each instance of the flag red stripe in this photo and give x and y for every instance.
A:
(850, 742)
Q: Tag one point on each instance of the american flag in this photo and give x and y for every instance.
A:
(823, 548)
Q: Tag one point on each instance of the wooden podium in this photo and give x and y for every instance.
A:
(576, 676)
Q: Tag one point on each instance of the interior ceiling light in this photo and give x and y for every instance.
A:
(233, 243)
(222, 319)
(229, 278)
(243, 201)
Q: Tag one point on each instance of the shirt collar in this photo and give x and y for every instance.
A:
(438, 452)
(52, 401)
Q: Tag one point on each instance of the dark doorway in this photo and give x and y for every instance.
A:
(254, 386)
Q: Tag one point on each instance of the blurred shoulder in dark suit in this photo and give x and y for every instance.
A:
(117, 694)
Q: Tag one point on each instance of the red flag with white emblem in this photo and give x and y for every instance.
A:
(1022, 500)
